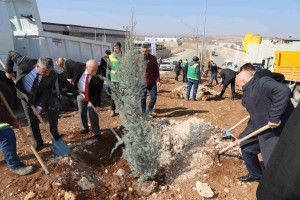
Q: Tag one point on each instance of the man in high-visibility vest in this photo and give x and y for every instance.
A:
(193, 75)
(184, 67)
(113, 66)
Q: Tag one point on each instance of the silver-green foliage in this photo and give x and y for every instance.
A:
(142, 144)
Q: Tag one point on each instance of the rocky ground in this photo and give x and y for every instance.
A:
(191, 132)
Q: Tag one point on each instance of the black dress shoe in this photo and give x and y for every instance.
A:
(39, 147)
(99, 137)
(59, 136)
(84, 131)
(249, 178)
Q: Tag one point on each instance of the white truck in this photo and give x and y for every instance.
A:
(21, 30)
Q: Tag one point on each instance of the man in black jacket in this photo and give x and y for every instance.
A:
(212, 66)
(89, 87)
(228, 77)
(35, 79)
(177, 69)
(268, 102)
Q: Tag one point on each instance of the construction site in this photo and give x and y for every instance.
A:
(194, 142)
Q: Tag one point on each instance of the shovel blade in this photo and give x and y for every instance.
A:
(59, 147)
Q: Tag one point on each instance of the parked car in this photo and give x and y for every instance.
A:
(166, 66)
(228, 64)
(213, 53)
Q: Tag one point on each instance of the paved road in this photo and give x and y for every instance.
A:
(219, 57)
(188, 54)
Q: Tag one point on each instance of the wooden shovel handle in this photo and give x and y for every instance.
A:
(246, 137)
(236, 125)
(107, 124)
(24, 135)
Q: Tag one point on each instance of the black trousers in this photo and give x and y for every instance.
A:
(232, 82)
(33, 121)
(176, 75)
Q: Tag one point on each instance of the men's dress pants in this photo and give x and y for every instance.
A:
(153, 94)
(33, 122)
(191, 83)
(249, 152)
(232, 82)
(8, 146)
(94, 118)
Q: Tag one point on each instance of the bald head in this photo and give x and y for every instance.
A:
(243, 77)
(92, 67)
(60, 62)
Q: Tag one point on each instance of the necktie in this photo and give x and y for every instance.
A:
(86, 89)
(34, 89)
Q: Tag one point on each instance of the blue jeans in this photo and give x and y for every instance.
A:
(153, 94)
(213, 77)
(249, 152)
(9, 149)
(192, 82)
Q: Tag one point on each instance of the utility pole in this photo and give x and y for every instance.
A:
(203, 39)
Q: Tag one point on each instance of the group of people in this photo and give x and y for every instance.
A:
(265, 97)
(191, 74)
(267, 100)
(39, 82)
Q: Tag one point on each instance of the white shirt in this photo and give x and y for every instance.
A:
(81, 82)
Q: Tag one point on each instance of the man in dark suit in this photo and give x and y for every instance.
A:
(35, 79)
(268, 102)
(89, 87)
(228, 77)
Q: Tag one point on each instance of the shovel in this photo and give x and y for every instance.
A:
(59, 147)
(228, 133)
(24, 135)
(246, 138)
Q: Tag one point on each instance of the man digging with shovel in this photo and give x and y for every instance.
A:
(34, 82)
(268, 103)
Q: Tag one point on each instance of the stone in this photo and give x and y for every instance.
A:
(30, 195)
(148, 187)
(121, 172)
(70, 195)
(204, 190)
(226, 190)
(130, 189)
(161, 187)
(85, 184)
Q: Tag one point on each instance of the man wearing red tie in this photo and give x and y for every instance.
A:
(89, 87)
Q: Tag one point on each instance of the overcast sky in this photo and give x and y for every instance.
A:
(270, 18)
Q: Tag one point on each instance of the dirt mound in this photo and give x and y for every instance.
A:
(204, 93)
(190, 147)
